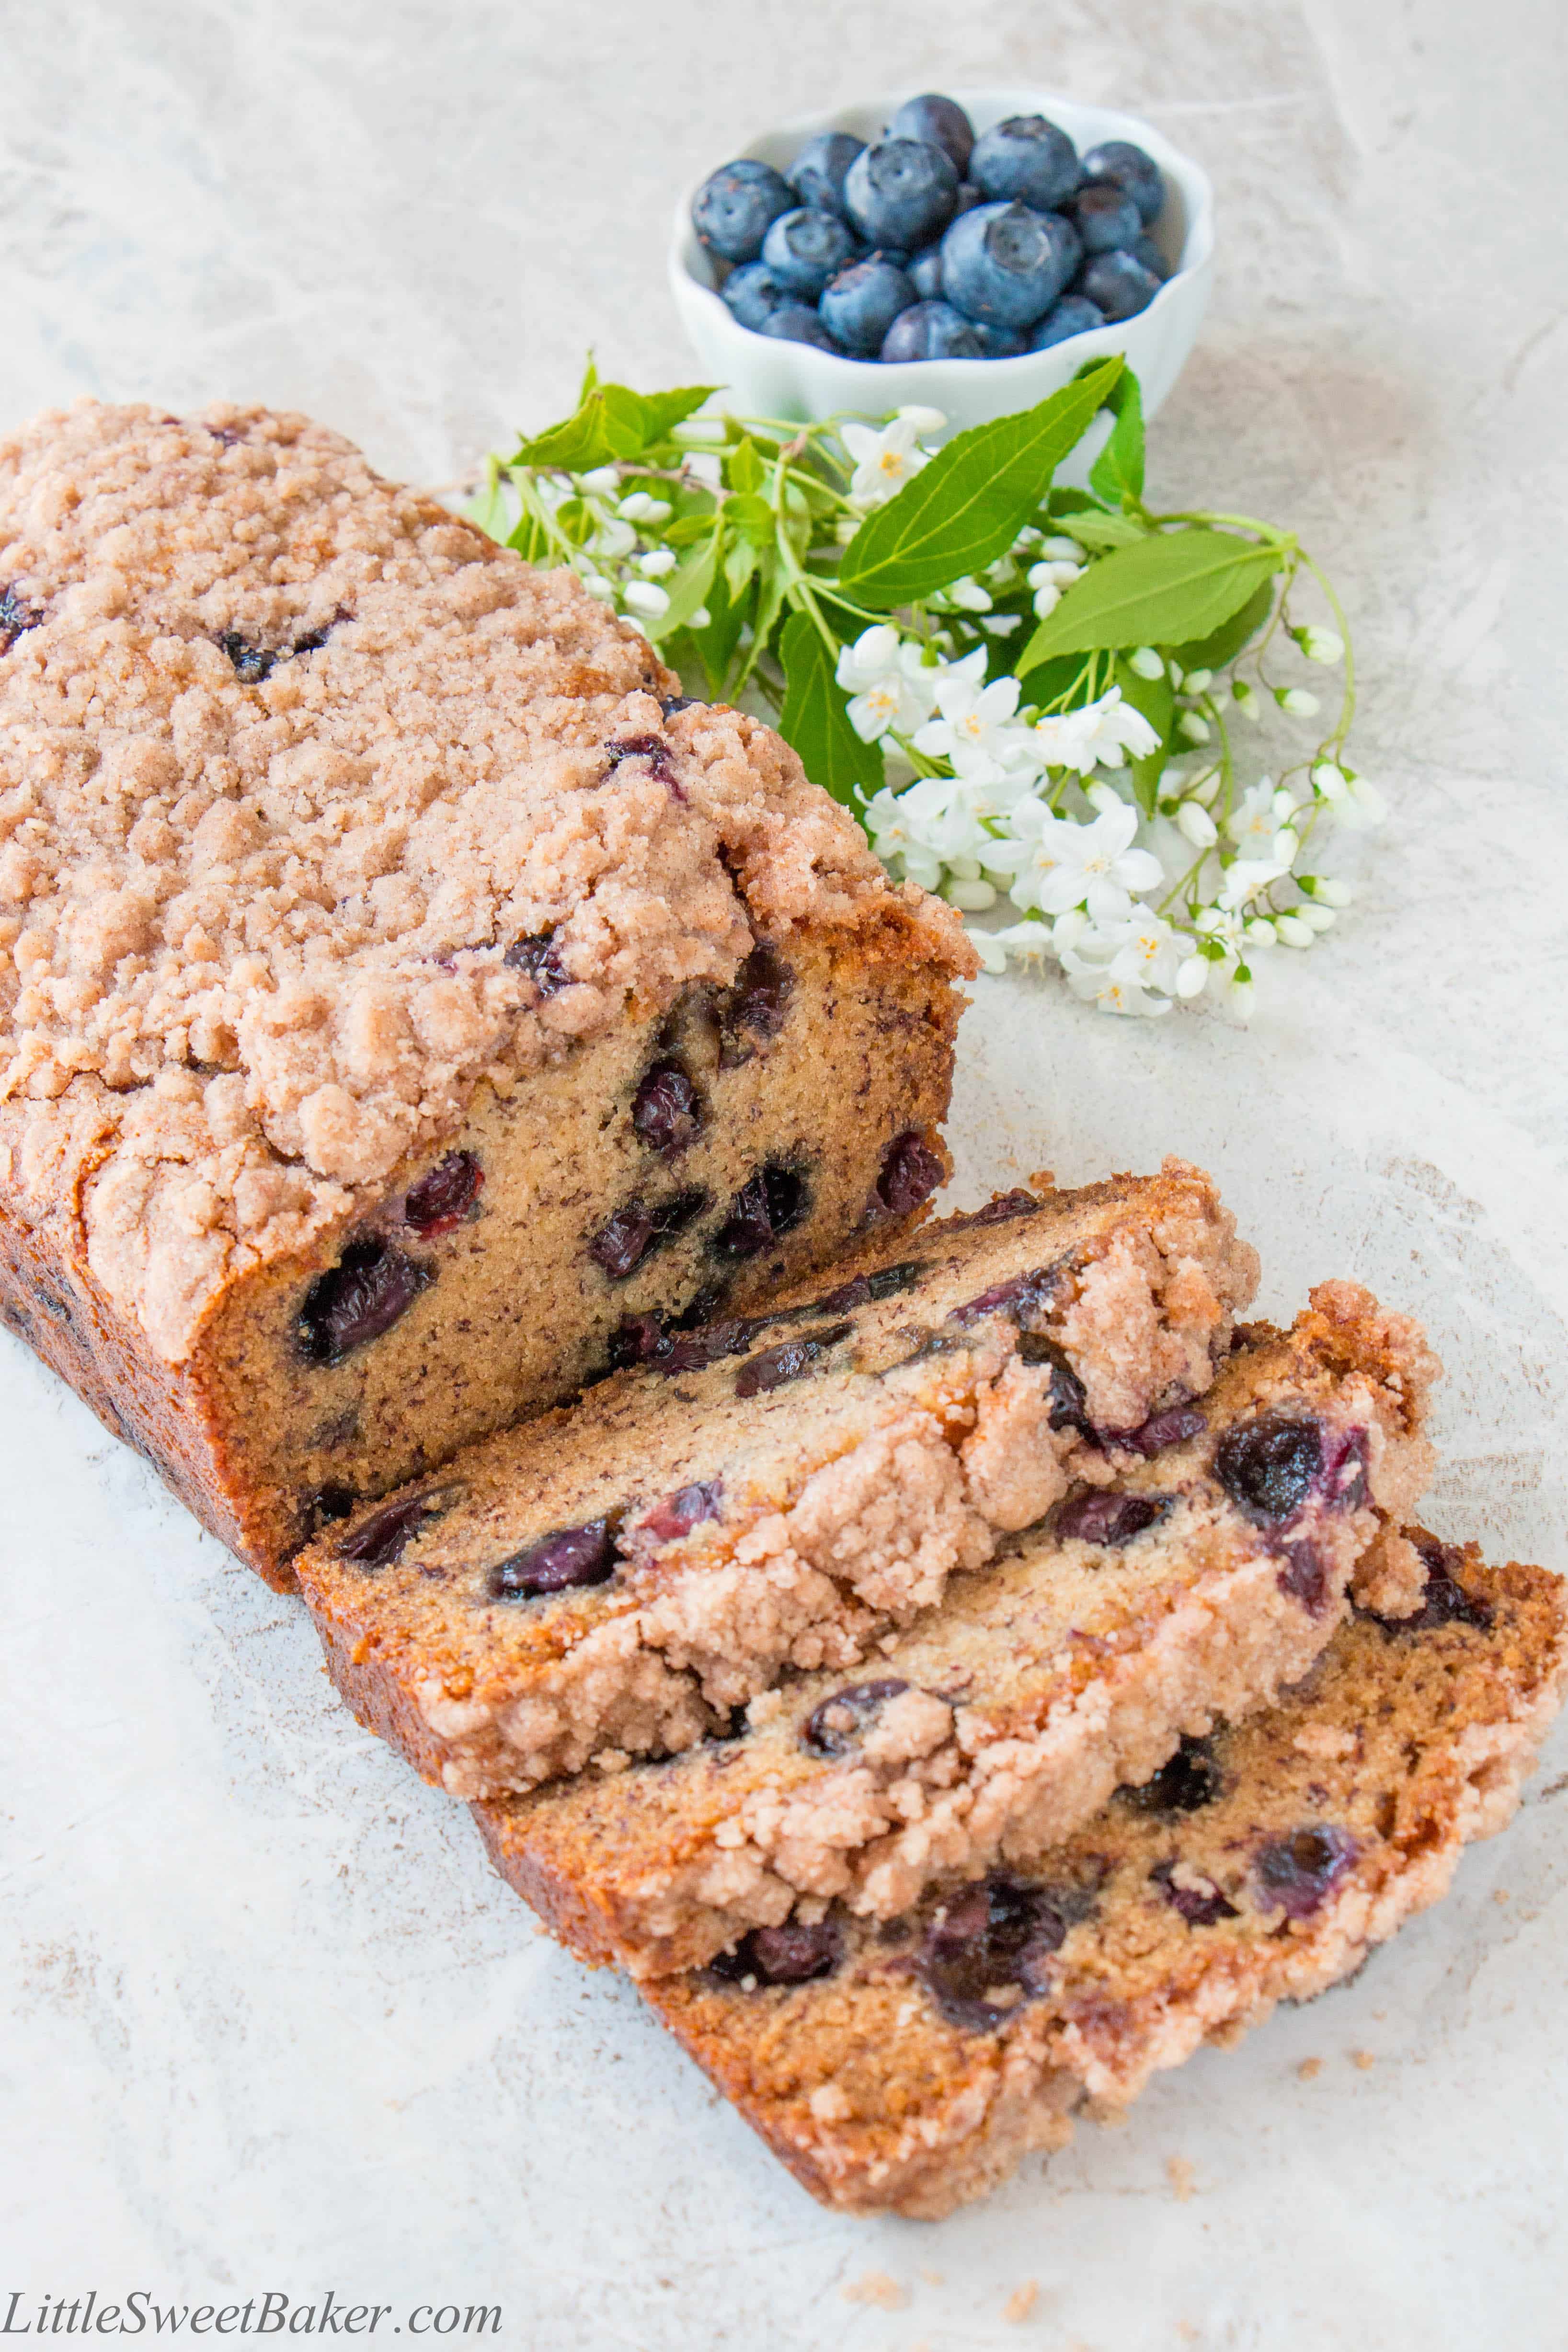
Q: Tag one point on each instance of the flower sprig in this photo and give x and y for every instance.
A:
(1026, 691)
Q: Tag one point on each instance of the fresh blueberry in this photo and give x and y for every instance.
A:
(1145, 249)
(1118, 285)
(860, 304)
(901, 193)
(1004, 265)
(752, 294)
(805, 249)
(941, 122)
(1027, 158)
(1066, 319)
(731, 211)
(1001, 342)
(925, 274)
(934, 330)
(1118, 162)
(817, 175)
(795, 321)
(1106, 218)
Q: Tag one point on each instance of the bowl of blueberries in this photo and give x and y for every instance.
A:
(969, 253)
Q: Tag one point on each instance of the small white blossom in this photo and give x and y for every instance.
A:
(1098, 734)
(1024, 943)
(642, 508)
(1194, 726)
(1192, 975)
(1245, 877)
(885, 461)
(1328, 890)
(888, 685)
(702, 618)
(1294, 932)
(967, 596)
(896, 832)
(1325, 646)
(973, 898)
(925, 421)
(1146, 663)
(1057, 865)
(612, 540)
(1248, 702)
(658, 564)
(1198, 825)
(1297, 701)
(1198, 682)
(1103, 986)
(596, 585)
(644, 598)
(1148, 952)
(975, 731)
(1316, 918)
(1048, 580)
(601, 483)
(1060, 549)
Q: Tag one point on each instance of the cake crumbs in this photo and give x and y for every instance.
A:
(1310, 2069)
(876, 2287)
(933, 2278)
(1022, 2301)
(1182, 2178)
(1364, 2059)
(1501, 1894)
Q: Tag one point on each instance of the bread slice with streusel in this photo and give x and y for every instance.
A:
(1209, 1575)
(909, 2065)
(774, 1491)
(401, 985)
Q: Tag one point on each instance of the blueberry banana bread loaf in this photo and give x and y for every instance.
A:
(775, 1491)
(1206, 1578)
(911, 2064)
(402, 990)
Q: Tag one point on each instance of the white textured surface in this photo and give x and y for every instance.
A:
(271, 2024)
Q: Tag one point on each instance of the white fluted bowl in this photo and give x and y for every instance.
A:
(766, 377)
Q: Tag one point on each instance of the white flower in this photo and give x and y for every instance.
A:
(1252, 823)
(658, 564)
(1145, 662)
(1297, 701)
(601, 483)
(1294, 932)
(888, 685)
(967, 596)
(973, 898)
(1057, 865)
(1197, 823)
(896, 834)
(1324, 645)
(1192, 975)
(1048, 580)
(1103, 986)
(1328, 890)
(612, 540)
(701, 618)
(1025, 944)
(596, 585)
(1060, 549)
(883, 461)
(1148, 952)
(1098, 734)
(1194, 727)
(925, 421)
(643, 597)
(1247, 702)
(975, 730)
(642, 507)
(1245, 877)
(1197, 681)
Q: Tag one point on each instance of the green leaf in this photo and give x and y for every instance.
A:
(688, 529)
(1051, 685)
(590, 378)
(969, 505)
(1171, 587)
(1117, 472)
(743, 469)
(666, 410)
(752, 517)
(1099, 530)
(739, 566)
(1222, 644)
(530, 539)
(1156, 697)
(814, 718)
(686, 588)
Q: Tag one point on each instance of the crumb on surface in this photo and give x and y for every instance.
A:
(1310, 2069)
(931, 2278)
(1182, 2178)
(1364, 2059)
(1022, 2301)
(1501, 1894)
(875, 2287)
